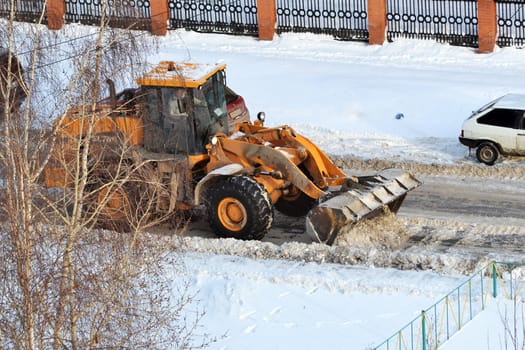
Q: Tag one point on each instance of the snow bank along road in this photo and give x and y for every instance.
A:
(458, 220)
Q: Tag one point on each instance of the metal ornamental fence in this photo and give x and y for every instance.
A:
(133, 14)
(25, 10)
(440, 321)
(450, 21)
(511, 22)
(344, 19)
(211, 16)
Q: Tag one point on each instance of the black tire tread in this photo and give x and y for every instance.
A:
(255, 200)
(480, 149)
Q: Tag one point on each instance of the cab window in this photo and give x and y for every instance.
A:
(213, 90)
(152, 104)
(175, 101)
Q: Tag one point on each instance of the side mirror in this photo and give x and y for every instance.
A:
(261, 116)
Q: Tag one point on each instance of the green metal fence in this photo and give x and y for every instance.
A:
(439, 322)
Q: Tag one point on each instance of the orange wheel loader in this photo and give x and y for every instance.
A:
(177, 135)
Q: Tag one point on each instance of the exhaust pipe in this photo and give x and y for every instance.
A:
(112, 93)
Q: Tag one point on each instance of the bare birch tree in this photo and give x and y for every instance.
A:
(66, 284)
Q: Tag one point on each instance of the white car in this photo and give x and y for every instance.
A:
(496, 128)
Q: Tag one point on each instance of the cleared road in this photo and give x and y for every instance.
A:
(447, 199)
(448, 224)
(483, 200)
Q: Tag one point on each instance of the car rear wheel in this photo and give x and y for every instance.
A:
(487, 153)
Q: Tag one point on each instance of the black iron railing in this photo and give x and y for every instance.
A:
(451, 21)
(511, 22)
(344, 19)
(215, 16)
(133, 14)
(439, 322)
(25, 10)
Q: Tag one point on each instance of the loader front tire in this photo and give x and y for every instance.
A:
(239, 207)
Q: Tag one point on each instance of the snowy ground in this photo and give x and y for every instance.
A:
(345, 97)
(273, 304)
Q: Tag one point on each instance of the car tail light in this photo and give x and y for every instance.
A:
(462, 133)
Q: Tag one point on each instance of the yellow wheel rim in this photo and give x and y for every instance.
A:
(232, 214)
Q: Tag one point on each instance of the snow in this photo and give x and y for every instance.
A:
(275, 304)
(178, 73)
(482, 334)
(403, 101)
(345, 96)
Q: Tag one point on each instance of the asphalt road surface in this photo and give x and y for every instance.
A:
(449, 199)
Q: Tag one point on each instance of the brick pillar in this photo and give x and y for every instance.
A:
(376, 22)
(56, 9)
(159, 16)
(266, 19)
(487, 25)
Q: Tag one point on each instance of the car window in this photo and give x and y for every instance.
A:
(507, 118)
(482, 109)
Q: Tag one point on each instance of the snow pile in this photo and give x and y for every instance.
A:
(511, 168)
(381, 232)
(413, 258)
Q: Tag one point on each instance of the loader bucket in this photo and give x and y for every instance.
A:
(366, 198)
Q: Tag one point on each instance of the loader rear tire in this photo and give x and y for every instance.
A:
(298, 206)
(125, 207)
(239, 207)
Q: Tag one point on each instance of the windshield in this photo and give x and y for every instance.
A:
(214, 93)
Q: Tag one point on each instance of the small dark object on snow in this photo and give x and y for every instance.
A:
(399, 116)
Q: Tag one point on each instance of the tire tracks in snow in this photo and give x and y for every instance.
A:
(461, 218)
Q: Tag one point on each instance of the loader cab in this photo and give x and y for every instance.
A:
(183, 105)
